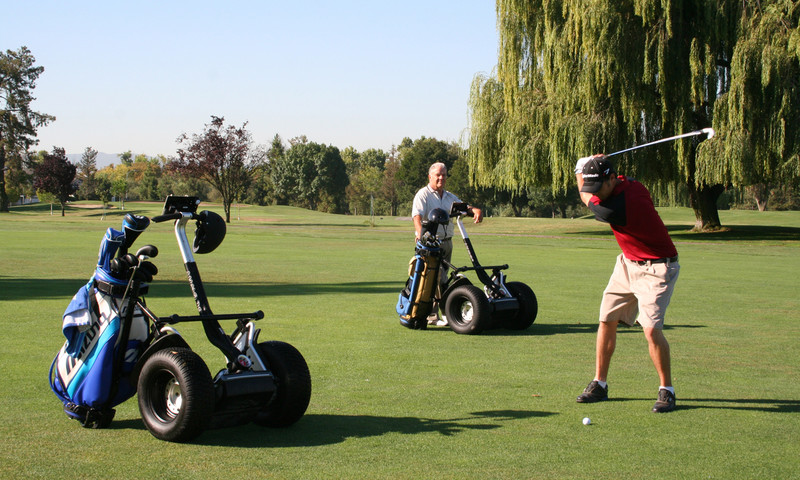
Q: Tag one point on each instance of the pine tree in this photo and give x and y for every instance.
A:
(18, 123)
(87, 168)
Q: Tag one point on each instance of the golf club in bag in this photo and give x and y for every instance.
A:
(417, 297)
(116, 346)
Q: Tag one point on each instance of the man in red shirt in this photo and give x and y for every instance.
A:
(644, 275)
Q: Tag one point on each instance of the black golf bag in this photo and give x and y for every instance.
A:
(105, 333)
(419, 294)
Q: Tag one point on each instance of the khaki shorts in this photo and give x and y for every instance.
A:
(639, 292)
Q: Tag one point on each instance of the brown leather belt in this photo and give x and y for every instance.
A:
(656, 260)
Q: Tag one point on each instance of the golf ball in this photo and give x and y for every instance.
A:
(587, 421)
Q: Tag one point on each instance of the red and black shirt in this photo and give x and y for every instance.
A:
(637, 227)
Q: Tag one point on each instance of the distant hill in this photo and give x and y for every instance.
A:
(103, 159)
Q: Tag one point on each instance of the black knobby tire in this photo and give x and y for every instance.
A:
(467, 310)
(528, 306)
(458, 281)
(293, 380)
(176, 395)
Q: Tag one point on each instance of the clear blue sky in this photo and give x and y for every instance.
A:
(135, 75)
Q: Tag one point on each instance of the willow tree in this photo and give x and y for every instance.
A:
(759, 115)
(576, 77)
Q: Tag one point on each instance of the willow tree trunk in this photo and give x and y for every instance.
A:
(704, 203)
(760, 193)
(3, 194)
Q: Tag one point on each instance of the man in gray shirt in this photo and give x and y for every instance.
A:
(428, 198)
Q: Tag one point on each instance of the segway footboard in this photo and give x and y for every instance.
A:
(240, 397)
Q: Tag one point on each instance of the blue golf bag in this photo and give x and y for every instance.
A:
(419, 294)
(417, 297)
(105, 333)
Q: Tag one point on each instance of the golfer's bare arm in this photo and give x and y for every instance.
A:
(417, 226)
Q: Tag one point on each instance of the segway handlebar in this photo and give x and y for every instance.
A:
(169, 216)
(175, 318)
(178, 216)
(460, 210)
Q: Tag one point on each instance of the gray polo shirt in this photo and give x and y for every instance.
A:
(427, 199)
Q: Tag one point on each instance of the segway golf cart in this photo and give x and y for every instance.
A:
(467, 308)
(116, 346)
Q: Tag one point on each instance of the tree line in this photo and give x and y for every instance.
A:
(309, 175)
(223, 163)
(299, 173)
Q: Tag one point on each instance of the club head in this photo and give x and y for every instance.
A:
(709, 133)
(148, 251)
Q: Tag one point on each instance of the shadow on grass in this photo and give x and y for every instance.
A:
(72, 210)
(34, 288)
(110, 214)
(541, 329)
(737, 233)
(729, 233)
(748, 404)
(321, 429)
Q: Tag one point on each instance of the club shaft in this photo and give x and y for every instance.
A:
(668, 139)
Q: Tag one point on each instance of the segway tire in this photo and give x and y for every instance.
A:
(467, 310)
(290, 400)
(176, 395)
(528, 307)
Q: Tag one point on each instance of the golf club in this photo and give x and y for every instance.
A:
(705, 131)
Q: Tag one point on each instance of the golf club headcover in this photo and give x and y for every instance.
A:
(133, 226)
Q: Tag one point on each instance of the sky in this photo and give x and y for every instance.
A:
(134, 76)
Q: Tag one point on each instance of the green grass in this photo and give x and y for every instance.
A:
(393, 403)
